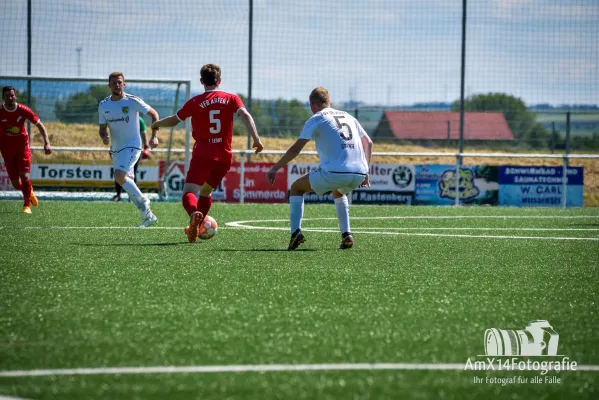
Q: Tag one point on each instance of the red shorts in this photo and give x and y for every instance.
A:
(17, 160)
(208, 168)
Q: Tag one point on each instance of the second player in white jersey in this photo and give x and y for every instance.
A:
(122, 117)
(344, 150)
(338, 141)
(120, 113)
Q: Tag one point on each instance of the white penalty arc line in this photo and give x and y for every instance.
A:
(199, 369)
(435, 234)
(243, 225)
(440, 217)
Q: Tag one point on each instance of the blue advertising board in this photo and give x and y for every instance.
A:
(525, 186)
(436, 184)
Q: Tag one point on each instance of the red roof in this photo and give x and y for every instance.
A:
(431, 125)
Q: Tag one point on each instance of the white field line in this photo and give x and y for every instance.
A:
(325, 230)
(477, 229)
(153, 228)
(11, 398)
(202, 369)
(357, 231)
(241, 224)
(379, 231)
(440, 217)
(320, 229)
(244, 225)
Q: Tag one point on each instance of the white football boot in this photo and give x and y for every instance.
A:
(147, 216)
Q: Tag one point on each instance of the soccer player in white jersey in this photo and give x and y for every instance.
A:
(344, 150)
(120, 112)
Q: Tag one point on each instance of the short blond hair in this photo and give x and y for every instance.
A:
(320, 96)
(116, 75)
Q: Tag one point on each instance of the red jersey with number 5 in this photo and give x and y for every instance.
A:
(212, 119)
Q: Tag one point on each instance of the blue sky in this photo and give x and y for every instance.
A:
(386, 52)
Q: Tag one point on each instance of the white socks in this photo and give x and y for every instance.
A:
(296, 212)
(342, 207)
(135, 195)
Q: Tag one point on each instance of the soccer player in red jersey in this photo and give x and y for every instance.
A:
(14, 144)
(211, 115)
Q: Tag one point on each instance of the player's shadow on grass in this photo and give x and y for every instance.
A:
(177, 244)
(239, 250)
(131, 244)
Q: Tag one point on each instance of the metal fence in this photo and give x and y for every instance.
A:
(532, 61)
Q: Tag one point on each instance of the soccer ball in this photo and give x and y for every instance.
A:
(208, 228)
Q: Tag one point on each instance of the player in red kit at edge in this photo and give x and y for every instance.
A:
(211, 116)
(14, 144)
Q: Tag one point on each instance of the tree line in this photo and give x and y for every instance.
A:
(273, 117)
(523, 123)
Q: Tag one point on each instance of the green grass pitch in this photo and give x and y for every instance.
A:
(79, 289)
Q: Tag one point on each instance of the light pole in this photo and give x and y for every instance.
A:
(78, 50)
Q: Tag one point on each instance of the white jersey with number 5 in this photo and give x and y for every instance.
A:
(123, 120)
(338, 141)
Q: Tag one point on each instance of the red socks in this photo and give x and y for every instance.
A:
(26, 190)
(204, 204)
(190, 203)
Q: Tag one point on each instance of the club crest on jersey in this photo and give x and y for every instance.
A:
(125, 110)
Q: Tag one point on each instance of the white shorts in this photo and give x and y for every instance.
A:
(323, 181)
(125, 159)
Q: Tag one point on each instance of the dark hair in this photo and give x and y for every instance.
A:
(8, 89)
(210, 74)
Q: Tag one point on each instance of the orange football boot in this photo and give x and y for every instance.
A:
(33, 199)
(193, 229)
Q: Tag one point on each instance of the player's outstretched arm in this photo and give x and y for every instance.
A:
(167, 122)
(291, 153)
(154, 139)
(248, 121)
(367, 146)
(104, 134)
(42, 129)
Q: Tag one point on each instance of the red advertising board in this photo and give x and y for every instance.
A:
(256, 188)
